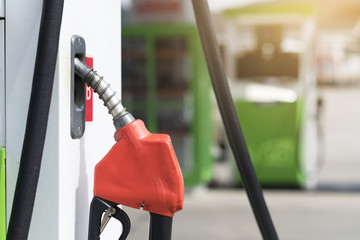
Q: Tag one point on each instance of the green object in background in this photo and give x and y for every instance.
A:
(2, 196)
(165, 82)
(273, 135)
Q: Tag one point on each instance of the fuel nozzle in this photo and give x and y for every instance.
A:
(121, 117)
(140, 171)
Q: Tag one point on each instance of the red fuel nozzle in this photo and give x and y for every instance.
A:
(141, 170)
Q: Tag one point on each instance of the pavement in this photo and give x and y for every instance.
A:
(332, 211)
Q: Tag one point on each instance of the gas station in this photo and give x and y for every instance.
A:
(170, 119)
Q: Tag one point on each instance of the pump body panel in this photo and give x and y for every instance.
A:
(66, 180)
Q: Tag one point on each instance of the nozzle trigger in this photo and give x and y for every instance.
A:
(97, 224)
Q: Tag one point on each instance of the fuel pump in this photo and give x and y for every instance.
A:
(140, 170)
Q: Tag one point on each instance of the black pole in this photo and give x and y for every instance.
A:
(37, 120)
(230, 119)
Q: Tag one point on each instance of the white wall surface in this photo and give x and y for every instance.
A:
(66, 179)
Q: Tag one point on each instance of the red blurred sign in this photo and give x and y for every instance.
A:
(157, 6)
(89, 95)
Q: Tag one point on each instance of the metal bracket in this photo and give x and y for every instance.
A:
(77, 104)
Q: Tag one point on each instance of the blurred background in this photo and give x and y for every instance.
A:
(294, 72)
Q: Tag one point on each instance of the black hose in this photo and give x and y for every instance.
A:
(230, 119)
(160, 227)
(37, 120)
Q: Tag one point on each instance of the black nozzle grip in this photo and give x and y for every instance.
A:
(160, 227)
